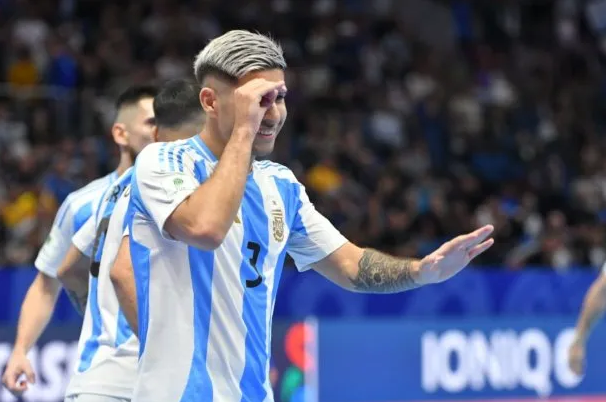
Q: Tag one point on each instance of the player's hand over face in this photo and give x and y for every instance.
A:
(252, 101)
(576, 357)
(453, 256)
(17, 365)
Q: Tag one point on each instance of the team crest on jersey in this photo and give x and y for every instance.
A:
(278, 224)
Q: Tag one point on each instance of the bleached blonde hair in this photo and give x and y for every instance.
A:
(237, 53)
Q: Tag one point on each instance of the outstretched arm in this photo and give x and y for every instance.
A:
(370, 271)
(594, 307)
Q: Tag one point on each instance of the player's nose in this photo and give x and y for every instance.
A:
(272, 115)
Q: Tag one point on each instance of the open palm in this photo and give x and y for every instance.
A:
(454, 255)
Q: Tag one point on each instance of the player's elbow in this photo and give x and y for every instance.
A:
(64, 274)
(116, 276)
(45, 287)
(200, 230)
(120, 274)
(207, 236)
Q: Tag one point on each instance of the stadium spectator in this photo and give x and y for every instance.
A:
(435, 127)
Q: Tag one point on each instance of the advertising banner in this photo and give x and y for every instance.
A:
(390, 360)
(463, 359)
(293, 362)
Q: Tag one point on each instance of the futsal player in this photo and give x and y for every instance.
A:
(211, 226)
(133, 124)
(108, 350)
(593, 310)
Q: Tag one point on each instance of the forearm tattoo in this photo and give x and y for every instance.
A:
(381, 273)
(78, 301)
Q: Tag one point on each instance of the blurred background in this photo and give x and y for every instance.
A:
(410, 121)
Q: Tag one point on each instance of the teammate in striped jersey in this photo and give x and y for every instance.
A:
(210, 227)
(108, 350)
(134, 122)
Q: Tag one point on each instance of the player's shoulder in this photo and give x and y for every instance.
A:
(124, 178)
(89, 192)
(86, 195)
(277, 170)
(161, 155)
(118, 184)
(150, 153)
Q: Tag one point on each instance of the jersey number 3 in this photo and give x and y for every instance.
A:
(101, 231)
(256, 249)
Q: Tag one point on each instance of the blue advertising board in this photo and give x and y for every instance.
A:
(454, 359)
(474, 292)
(388, 360)
(54, 356)
(52, 360)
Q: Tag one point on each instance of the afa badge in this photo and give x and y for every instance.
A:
(278, 224)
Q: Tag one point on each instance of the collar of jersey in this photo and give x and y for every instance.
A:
(196, 138)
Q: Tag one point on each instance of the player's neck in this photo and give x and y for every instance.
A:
(216, 147)
(125, 163)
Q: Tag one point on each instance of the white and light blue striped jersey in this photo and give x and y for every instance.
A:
(108, 351)
(205, 316)
(77, 208)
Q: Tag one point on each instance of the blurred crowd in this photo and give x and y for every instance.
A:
(405, 134)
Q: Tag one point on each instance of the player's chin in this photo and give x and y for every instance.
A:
(263, 147)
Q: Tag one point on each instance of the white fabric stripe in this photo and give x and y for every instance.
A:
(113, 370)
(201, 149)
(189, 165)
(171, 303)
(210, 168)
(86, 330)
(163, 157)
(227, 332)
(271, 196)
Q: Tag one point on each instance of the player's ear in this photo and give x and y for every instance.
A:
(208, 100)
(120, 134)
(155, 134)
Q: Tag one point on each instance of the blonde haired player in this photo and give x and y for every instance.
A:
(210, 227)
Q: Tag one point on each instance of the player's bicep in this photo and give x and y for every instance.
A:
(162, 190)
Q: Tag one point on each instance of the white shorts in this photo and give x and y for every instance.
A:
(94, 398)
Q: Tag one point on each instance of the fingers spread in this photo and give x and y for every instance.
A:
(474, 238)
(480, 248)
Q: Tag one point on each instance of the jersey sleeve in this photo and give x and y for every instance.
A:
(57, 242)
(165, 175)
(312, 236)
(84, 238)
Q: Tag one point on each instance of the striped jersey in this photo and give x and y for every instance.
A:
(205, 316)
(107, 350)
(77, 208)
